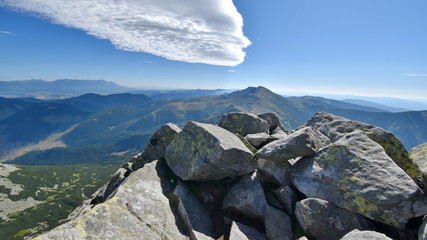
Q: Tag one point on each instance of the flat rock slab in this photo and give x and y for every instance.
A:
(356, 174)
(364, 235)
(205, 152)
(138, 210)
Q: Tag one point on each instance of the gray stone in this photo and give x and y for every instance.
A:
(138, 210)
(323, 221)
(303, 142)
(156, 147)
(195, 215)
(336, 127)
(419, 155)
(273, 201)
(287, 197)
(275, 172)
(205, 152)
(422, 232)
(240, 231)
(244, 123)
(278, 133)
(246, 198)
(364, 235)
(356, 174)
(257, 139)
(277, 225)
(272, 120)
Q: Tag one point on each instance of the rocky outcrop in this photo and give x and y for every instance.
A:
(356, 174)
(364, 235)
(323, 221)
(336, 127)
(205, 152)
(332, 176)
(419, 155)
(138, 210)
(244, 123)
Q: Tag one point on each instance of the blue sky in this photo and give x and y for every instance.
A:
(360, 47)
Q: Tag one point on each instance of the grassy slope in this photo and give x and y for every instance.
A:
(60, 188)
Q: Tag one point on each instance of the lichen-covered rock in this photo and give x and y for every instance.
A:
(272, 120)
(156, 147)
(277, 224)
(278, 173)
(240, 231)
(336, 127)
(138, 210)
(419, 155)
(195, 215)
(246, 198)
(303, 142)
(323, 221)
(244, 123)
(356, 174)
(364, 235)
(422, 231)
(205, 152)
(257, 139)
(287, 197)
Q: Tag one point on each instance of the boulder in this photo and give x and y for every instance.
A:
(246, 198)
(323, 221)
(205, 152)
(304, 142)
(244, 123)
(364, 235)
(240, 231)
(272, 120)
(195, 215)
(156, 147)
(257, 139)
(419, 155)
(278, 173)
(277, 224)
(138, 210)
(287, 198)
(356, 174)
(336, 127)
(277, 133)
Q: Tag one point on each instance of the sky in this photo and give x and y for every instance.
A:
(357, 47)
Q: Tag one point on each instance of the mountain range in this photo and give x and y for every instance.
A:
(111, 127)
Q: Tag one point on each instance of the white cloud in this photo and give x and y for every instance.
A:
(6, 33)
(231, 70)
(415, 74)
(195, 31)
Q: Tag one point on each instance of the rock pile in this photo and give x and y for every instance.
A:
(248, 178)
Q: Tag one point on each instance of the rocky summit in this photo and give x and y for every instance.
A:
(249, 178)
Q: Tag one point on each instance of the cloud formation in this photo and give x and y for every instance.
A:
(415, 74)
(6, 33)
(195, 31)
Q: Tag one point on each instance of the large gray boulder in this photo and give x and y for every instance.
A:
(240, 231)
(246, 198)
(278, 173)
(244, 123)
(156, 147)
(304, 142)
(356, 174)
(419, 155)
(364, 235)
(138, 210)
(257, 139)
(205, 152)
(277, 224)
(323, 221)
(422, 231)
(287, 197)
(336, 127)
(195, 215)
(272, 120)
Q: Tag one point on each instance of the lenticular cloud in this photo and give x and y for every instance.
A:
(195, 31)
